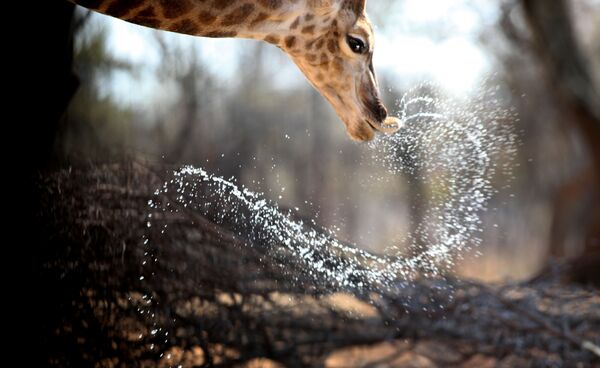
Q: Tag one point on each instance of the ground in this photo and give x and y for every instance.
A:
(213, 298)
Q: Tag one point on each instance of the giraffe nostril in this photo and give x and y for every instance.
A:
(373, 106)
(381, 113)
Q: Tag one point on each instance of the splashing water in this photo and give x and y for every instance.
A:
(454, 149)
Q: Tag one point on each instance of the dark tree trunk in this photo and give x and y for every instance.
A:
(570, 78)
(568, 72)
(95, 261)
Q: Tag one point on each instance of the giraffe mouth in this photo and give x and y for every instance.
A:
(388, 126)
(377, 116)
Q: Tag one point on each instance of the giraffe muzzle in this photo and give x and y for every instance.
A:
(378, 117)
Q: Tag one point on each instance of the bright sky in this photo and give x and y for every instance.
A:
(434, 40)
(420, 40)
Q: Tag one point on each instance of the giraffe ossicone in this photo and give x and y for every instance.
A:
(331, 41)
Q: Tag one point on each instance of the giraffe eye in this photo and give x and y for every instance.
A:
(356, 45)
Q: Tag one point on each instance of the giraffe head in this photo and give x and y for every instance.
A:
(333, 44)
(331, 41)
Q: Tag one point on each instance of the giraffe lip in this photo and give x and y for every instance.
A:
(388, 125)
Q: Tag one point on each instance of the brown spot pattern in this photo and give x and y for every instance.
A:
(311, 58)
(324, 58)
(295, 23)
(338, 65)
(174, 8)
(120, 9)
(290, 41)
(238, 15)
(221, 34)
(146, 17)
(184, 26)
(260, 18)
(147, 12)
(308, 30)
(332, 46)
(272, 39)
(222, 4)
(147, 22)
(206, 18)
(271, 4)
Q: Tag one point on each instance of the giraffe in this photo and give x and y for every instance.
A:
(331, 42)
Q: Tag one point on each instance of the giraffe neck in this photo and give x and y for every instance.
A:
(268, 20)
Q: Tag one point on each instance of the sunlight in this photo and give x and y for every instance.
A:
(455, 64)
(129, 41)
(427, 40)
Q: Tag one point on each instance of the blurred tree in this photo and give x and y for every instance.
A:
(194, 86)
(95, 126)
(570, 79)
(411, 159)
